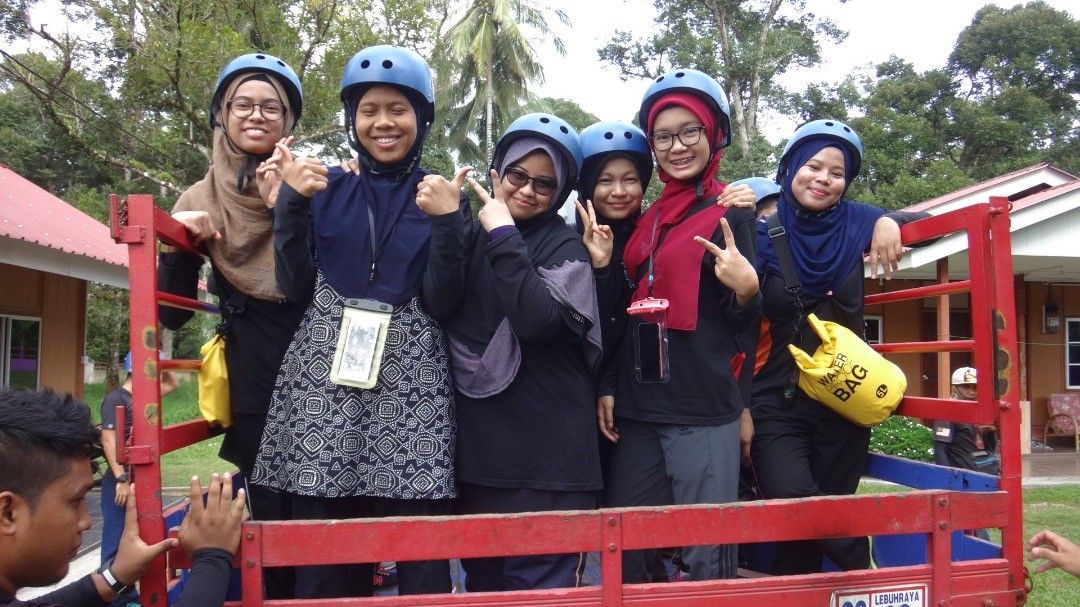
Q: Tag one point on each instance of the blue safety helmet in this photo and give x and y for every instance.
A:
(763, 187)
(599, 141)
(696, 83)
(127, 363)
(824, 129)
(267, 64)
(553, 130)
(395, 66)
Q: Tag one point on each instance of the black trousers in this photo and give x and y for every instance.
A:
(356, 579)
(496, 574)
(240, 446)
(805, 450)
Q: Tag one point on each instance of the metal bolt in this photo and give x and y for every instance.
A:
(611, 522)
(988, 603)
(942, 525)
(943, 502)
(249, 564)
(249, 535)
(941, 603)
(611, 547)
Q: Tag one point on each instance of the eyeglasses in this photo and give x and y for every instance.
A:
(687, 136)
(242, 107)
(543, 186)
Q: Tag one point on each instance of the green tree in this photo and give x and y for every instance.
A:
(746, 44)
(487, 67)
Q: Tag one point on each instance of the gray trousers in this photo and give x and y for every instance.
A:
(665, 464)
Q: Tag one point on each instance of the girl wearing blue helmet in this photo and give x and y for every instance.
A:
(800, 447)
(524, 338)
(256, 102)
(362, 421)
(677, 408)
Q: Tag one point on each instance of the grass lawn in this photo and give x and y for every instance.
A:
(177, 467)
(1056, 508)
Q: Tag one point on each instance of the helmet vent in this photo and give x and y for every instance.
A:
(260, 56)
(628, 135)
(387, 64)
(364, 64)
(660, 78)
(829, 124)
(847, 129)
(545, 119)
(609, 135)
(564, 129)
(680, 74)
(281, 63)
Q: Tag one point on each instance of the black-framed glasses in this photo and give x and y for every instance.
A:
(242, 107)
(687, 136)
(543, 186)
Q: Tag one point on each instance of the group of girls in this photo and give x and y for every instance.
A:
(391, 354)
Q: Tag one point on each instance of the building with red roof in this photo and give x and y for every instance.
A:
(49, 251)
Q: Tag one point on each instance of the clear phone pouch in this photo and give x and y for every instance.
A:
(364, 324)
(650, 340)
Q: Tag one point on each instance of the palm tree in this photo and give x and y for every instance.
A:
(487, 67)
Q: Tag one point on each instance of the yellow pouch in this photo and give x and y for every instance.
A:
(848, 376)
(214, 383)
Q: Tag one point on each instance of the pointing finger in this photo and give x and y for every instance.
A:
(480, 191)
(496, 185)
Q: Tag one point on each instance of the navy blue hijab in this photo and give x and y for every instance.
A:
(343, 243)
(825, 245)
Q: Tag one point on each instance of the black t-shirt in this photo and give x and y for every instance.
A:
(112, 400)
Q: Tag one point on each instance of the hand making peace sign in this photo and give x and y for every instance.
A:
(597, 238)
(730, 267)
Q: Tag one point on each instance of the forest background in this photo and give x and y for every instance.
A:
(111, 95)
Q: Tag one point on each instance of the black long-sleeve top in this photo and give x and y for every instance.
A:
(257, 336)
(539, 432)
(703, 389)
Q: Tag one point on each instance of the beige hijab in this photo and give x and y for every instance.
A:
(245, 253)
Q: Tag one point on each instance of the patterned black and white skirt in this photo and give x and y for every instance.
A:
(395, 440)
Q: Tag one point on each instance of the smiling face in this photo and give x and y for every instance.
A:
(618, 190)
(255, 134)
(45, 537)
(682, 162)
(819, 183)
(523, 201)
(385, 124)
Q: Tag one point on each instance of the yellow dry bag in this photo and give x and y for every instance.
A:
(848, 376)
(214, 383)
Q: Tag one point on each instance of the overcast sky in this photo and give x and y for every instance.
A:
(920, 31)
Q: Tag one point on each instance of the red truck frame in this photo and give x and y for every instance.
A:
(949, 568)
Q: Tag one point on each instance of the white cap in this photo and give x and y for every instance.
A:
(963, 375)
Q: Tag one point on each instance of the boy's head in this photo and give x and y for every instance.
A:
(46, 442)
(389, 101)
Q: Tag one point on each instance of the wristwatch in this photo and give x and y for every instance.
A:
(114, 584)
(122, 477)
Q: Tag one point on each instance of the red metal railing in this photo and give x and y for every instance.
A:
(935, 513)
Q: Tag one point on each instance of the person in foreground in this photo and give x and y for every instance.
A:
(46, 442)
(1058, 552)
